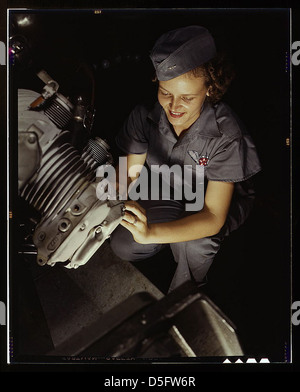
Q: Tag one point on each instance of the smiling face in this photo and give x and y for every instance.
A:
(182, 99)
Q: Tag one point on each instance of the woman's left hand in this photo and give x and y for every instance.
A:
(135, 220)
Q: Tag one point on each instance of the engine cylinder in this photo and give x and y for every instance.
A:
(62, 172)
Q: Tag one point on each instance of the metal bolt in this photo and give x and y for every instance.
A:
(98, 230)
(31, 139)
(83, 226)
(41, 236)
(64, 225)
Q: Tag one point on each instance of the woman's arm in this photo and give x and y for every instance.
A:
(204, 223)
(128, 171)
(135, 163)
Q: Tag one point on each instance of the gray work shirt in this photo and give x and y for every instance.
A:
(217, 140)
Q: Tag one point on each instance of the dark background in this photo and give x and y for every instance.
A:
(250, 278)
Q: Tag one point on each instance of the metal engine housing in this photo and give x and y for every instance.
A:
(60, 183)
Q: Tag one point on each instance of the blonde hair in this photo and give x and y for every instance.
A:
(218, 74)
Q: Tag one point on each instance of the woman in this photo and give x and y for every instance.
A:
(189, 125)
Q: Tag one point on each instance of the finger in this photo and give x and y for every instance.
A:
(137, 210)
(129, 217)
(128, 226)
(134, 203)
(133, 230)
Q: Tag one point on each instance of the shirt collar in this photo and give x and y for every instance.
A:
(206, 125)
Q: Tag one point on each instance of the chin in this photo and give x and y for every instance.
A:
(176, 121)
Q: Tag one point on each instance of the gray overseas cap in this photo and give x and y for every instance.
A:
(179, 51)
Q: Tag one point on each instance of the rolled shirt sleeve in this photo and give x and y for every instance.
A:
(235, 160)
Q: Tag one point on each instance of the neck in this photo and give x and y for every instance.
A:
(180, 132)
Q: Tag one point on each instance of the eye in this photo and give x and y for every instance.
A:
(164, 93)
(187, 99)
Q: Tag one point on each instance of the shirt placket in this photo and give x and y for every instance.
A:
(177, 155)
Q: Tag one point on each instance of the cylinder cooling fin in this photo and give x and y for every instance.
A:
(58, 112)
(62, 171)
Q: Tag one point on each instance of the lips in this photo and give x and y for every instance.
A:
(175, 114)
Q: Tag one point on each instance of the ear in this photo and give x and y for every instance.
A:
(208, 92)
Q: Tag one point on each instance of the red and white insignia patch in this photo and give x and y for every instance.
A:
(200, 160)
(203, 161)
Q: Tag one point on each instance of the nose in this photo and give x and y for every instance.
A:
(174, 103)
